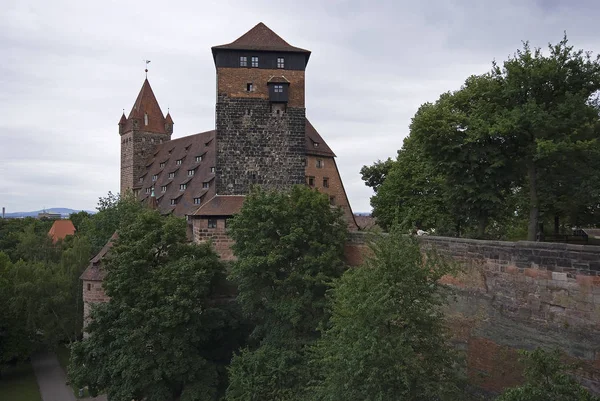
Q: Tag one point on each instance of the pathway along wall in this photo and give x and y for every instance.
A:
(518, 295)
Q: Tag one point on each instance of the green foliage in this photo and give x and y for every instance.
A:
(289, 247)
(509, 146)
(386, 338)
(547, 378)
(375, 175)
(155, 339)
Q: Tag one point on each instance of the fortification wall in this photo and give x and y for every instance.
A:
(518, 295)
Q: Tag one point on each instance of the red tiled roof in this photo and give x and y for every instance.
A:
(146, 104)
(221, 205)
(61, 229)
(94, 271)
(261, 37)
(315, 144)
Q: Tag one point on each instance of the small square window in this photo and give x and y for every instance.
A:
(249, 87)
(206, 185)
(280, 62)
(243, 61)
(212, 223)
(320, 163)
(173, 201)
(155, 177)
(311, 181)
(163, 188)
(325, 182)
(278, 88)
(255, 61)
(191, 173)
(162, 165)
(178, 162)
(197, 201)
(212, 169)
(182, 187)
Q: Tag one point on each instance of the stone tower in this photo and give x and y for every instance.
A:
(260, 112)
(145, 127)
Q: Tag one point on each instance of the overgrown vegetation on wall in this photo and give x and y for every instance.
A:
(510, 149)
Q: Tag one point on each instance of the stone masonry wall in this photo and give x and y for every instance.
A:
(258, 147)
(136, 147)
(327, 170)
(93, 293)
(221, 242)
(518, 295)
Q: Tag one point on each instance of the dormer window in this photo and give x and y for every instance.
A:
(206, 185)
(155, 177)
(182, 187)
(198, 159)
(280, 62)
(255, 61)
(163, 164)
(163, 188)
(212, 169)
(197, 201)
(191, 173)
(243, 61)
(173, 201)
(316, 144)
(145, 118)
(178, 162)
(172, 175)
(148, 190)
(141, 179)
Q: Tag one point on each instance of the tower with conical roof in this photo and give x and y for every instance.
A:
(145, 127)
(260, 112)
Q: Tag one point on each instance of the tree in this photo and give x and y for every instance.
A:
(549, 104)
(413, 194)
(154, 339)
(547, 378)
(375, 175)
(289, 248)
(386, 338)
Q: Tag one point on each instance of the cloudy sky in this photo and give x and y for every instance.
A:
(70, 67)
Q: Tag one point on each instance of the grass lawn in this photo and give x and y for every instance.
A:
(19, 384)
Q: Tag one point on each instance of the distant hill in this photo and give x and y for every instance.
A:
(64, 212)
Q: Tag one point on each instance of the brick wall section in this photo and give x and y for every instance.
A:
(217, 236)
(93, 293)
(518, 295)
(335, 188)
(258, 147)
(233, 83)
(136, 147)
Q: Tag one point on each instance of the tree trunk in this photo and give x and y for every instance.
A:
(556, 224)
(534, 203)
(481, 225)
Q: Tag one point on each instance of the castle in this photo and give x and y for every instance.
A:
(262, 137)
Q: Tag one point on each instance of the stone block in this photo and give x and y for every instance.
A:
(559, 276)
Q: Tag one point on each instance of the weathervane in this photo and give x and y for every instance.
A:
(147, 62)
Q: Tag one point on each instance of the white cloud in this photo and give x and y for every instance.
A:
(70, 67)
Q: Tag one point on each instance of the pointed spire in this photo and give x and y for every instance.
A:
(146, 114)
(123, 119)
(168, 118)
(152, 202)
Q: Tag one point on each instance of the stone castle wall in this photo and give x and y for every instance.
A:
(256, 146)
(518, 295)
(136, 147)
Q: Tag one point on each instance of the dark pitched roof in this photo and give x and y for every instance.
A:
(221, 205)
(261, 37)
(185, 149)
(94, 271)
(146, 103)
(61, 229)
(277, 80)
(315, 144)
